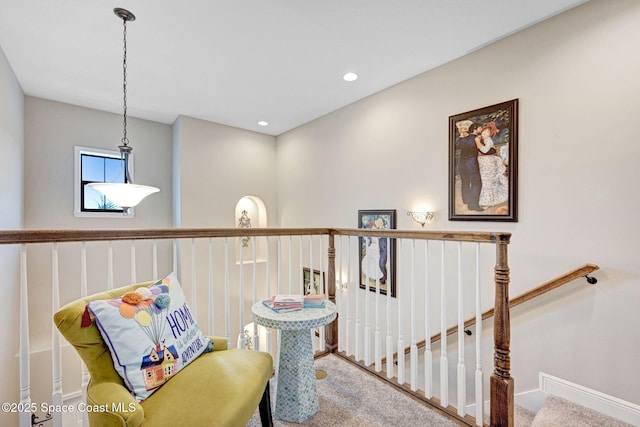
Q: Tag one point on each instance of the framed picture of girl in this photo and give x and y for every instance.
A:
(318, 286)
(483, 164)
(377, 254)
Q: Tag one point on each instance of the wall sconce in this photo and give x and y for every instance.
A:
(421, 218)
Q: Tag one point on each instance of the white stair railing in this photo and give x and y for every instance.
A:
(420, 308)
(430, 285)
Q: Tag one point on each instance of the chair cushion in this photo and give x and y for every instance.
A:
(221, 388)
(151, 334)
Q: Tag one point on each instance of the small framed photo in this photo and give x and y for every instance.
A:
(318, 285)
(378, 254)
(483, 164)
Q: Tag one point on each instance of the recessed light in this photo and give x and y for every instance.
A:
(263, 123)
(349, 77)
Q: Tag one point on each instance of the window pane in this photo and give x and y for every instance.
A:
(114, 170)
(93, 199)
(92, 168)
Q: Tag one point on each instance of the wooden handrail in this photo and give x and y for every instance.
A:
(527, 296)
(458, 236)
(50, 236)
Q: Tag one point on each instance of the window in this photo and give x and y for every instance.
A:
(96, 165)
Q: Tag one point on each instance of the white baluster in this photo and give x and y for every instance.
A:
(256, 335)
(279, 266)
(25, 375)
(339, 294)
(155, 259)
(389, 343)
(428, 355)
(462, 389)
(175, 258)
(378, 339)
(350, 297)
(268, 282)
(358, 326)
(479, 373)
(211, 290)
(194, 281)
(321, 290)
(83, 293)
(56, 359)
(241, 293)
(367, 320)
(414, 339)
(110, 265)
(311, 264)
(400, 315)
(134, 278)
(444, 361)
(290, 266)
(227, 294)
(300, 261)
(321, 254)
(255, 269)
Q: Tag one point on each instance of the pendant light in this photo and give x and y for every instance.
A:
(127, 194)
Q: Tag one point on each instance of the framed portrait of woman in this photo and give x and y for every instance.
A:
(377, 254)
(483, 164)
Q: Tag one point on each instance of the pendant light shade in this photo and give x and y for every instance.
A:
(127, 194)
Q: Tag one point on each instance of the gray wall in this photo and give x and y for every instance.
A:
(577, 81)
(218, 165)
(52, 129)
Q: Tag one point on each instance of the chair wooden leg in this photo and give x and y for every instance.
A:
(265, 408)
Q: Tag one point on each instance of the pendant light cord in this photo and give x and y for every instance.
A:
(125, 140)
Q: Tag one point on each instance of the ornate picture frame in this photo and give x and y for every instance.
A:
(377, 265)
(483, 164)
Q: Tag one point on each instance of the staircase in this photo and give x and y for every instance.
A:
(559, 412)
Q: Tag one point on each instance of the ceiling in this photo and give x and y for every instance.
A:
(239, 62)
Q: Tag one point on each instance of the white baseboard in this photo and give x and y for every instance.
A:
(608, 405)
(532, 400)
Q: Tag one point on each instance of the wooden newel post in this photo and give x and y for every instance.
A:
(331, 330)
(501, 384)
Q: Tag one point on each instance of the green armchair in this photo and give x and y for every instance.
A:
(223, 387)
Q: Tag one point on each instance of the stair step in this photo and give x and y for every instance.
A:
(556, 411)
(523, 417)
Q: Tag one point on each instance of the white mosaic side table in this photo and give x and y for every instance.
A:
(297, 395)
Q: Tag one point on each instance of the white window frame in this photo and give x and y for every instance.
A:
(77, 182)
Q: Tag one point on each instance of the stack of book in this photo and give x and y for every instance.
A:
(314, 301)
(284, 303)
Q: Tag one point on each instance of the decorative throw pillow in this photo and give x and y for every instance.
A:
(151, 334)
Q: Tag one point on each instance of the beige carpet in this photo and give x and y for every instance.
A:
(352, 398)
(556, 411)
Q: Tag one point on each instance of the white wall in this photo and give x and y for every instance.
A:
(11, 173)
(218, 166)
(576, 77)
